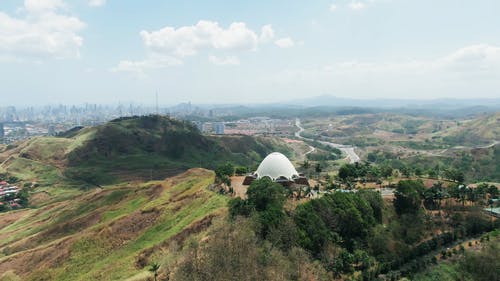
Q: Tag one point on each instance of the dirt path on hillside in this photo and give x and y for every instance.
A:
(240, 190)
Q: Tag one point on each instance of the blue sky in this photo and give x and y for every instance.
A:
(97, 51)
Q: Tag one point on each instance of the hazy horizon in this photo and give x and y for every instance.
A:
(323, 100)
(111, 52)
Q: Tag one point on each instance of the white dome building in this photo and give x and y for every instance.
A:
(276, 166)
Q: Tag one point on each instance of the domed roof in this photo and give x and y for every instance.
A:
(276, 165)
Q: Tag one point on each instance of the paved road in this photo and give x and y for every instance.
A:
(347, 149)
(442, 152)
(495, 142)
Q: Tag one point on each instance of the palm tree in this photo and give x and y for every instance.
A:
(154, 269)
(439, 194)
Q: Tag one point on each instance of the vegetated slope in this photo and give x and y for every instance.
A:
(253, 147)
(364, 124)
(142, 147)
(418, 132)
(108, 234)
(151, 147)
(480, 262)
(480, 164)
(132, 148)
(479, 131)
(42, 159)
(477, 164)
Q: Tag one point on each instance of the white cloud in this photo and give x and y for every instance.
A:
(189, 40)
(170, 45)
(355, 5)
(152, 62)
(42, 30)
(96, 3)
(40, 6)
(475, 59)
(266, 34)
(478, 58)
(285, 42)
(333, 8)
(472, 69)
(229, 60)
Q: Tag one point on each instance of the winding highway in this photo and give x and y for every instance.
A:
(347, 149)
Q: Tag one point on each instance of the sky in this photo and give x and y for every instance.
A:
(221, 52)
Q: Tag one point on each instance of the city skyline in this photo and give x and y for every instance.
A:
(111, 52)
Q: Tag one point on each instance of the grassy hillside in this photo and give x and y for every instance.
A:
(416, 132)
(108, 234)
(42, 159)
(126, 221)
(253, 148)
(154, 147)
(478, 131)
(125, 149)
(478, 164)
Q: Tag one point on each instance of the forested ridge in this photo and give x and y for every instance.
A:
(342, 235)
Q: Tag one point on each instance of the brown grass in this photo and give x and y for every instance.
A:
(50, 256)
(143, 259)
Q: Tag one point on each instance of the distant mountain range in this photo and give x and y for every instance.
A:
(448, 103)
(327, 105)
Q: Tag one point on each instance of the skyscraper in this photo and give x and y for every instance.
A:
(219, 128)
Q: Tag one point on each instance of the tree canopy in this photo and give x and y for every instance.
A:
(408, 196)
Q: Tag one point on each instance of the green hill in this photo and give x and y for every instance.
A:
(132, 216)
(132, 148)
(479, 131)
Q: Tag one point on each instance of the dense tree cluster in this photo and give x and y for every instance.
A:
(333, 229)
(408, 197)
(363, 172)
(223, 172)
(344, 218)
(265, 202)
(474, 165)
(357, 231)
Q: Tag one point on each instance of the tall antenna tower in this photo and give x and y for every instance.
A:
(157, 110)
